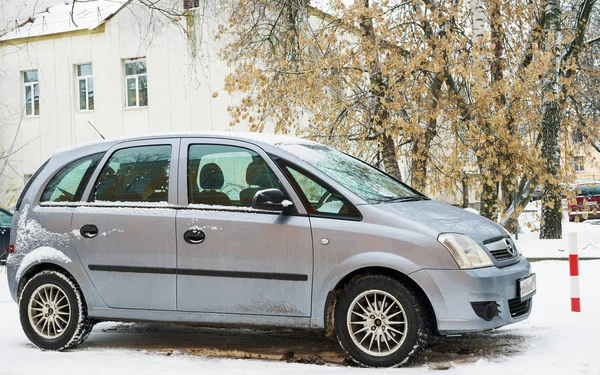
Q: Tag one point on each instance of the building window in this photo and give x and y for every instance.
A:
(191, 4)
(136, 86)
(579, 163)
(85, 85)
(577, 136)
(32, 93)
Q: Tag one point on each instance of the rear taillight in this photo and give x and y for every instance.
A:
(11, 249)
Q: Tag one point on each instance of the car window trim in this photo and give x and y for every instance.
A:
(282, 163)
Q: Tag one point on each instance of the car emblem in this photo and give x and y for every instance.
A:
(509, 247)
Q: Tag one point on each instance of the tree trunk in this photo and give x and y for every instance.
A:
(388, 155)
(489, 201)
(422, 145)
(465, 191)
(551, 226)
(379, 115)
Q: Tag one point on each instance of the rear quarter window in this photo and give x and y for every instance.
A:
(69, 183)
(28, 185)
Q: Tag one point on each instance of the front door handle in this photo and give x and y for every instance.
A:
(89, 231)
(194, 236)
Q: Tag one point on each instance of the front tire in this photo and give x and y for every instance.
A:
(380, 322)
(53, 312)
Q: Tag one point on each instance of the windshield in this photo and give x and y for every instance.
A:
(360, 178)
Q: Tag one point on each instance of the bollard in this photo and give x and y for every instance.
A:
(574, 271)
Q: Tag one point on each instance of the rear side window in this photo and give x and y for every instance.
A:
(28, 185)
(587, 189)
(70, 182)
(136, 174)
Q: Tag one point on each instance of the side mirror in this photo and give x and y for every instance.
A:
(271, 199)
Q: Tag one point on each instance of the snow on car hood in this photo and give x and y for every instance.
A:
(442, 217)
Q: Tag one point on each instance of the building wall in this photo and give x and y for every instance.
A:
(180, 91)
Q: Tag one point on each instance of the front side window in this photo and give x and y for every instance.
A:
(85, 86)
(360, 178)
(136, 174)
(136, 84)
(70, 182)
(321, 199)
(32, 93)
(227, 175)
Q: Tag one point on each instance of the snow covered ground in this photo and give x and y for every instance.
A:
(552, 341)
(529, 221)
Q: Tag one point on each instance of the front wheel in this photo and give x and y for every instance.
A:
(380, 322)
(53, 313)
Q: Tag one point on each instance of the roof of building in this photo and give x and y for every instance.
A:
(66, 17)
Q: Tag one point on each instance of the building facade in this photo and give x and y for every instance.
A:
(110, 71)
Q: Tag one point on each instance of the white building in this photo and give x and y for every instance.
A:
(105, 66)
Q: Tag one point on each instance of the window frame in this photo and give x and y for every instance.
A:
(137, 82)
(579, 163)
(85, 78)
(89, 193)
(83, 183)
(33, 86)
(196, 4)
(92, 196)
(287, 189)
(283, 164)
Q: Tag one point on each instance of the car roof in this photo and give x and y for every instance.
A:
(254, 137)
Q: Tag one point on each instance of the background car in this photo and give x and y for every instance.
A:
(586, 203)
(5, 223)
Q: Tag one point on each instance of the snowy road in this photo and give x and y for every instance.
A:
(552, 341)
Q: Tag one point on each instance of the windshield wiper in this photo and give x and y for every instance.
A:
(411, 198)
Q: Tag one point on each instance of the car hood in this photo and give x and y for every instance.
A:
(441, 218)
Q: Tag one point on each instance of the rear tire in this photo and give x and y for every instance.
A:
(380, 322)
(53, 312)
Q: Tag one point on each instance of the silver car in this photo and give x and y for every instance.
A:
(254, 230)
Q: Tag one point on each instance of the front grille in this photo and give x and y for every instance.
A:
(518, 308)
(502, 254)
(499, 248)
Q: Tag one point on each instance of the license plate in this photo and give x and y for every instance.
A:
(591, 203)
(527, 287)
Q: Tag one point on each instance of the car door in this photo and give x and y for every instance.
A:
(126, 232)
(231, 258)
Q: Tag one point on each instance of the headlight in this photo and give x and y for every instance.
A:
(467, 253)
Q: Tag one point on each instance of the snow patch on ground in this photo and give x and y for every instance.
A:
(552, 341)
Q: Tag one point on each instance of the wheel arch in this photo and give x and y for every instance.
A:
(395, 274)
(34, 269)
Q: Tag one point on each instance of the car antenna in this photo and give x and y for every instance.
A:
(92, 125)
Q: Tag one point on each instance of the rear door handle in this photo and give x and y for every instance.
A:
(89, 231)
(194, 236)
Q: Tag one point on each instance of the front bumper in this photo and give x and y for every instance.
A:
(452, 292)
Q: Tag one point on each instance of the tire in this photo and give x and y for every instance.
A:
(403, 349)
(65, 314)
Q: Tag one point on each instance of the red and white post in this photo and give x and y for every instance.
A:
(574, 271)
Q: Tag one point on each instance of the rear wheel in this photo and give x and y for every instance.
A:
(380, 322)
(53, 313)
